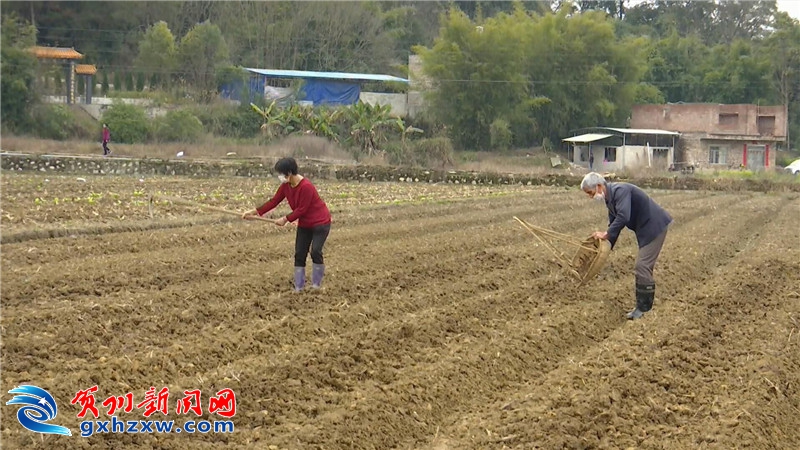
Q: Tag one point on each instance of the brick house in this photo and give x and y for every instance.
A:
(719, 136)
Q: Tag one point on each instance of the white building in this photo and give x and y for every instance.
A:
(608, 149)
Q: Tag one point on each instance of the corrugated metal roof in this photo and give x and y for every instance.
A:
(586, 138)
(642, 131)
(55, 52)
(325, 75)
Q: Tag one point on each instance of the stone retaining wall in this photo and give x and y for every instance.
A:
(82, 165)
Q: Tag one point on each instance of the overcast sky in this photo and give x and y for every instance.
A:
(790, 6)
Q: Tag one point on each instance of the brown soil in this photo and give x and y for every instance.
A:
(442, 324)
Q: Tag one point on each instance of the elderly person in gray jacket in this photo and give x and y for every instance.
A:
(629, 206)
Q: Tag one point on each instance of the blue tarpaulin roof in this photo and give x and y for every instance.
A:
(330, 92)
(325, 75)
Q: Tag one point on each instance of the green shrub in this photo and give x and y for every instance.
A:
(104, 85)
(785, 158)
(129, 84)
(400, 154)
(178, 126)
(228, 75)
(84, 126)
(437, 152)
(128, 124)
(433, 152)
(241, 122)
(208, 116)
(229, 121)
(52, 122)
(500, 135)
(61, 122)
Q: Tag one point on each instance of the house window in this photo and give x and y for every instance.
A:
(610, 154)
(766, 125)
(728, 119)
(660, 153)
(717, 155)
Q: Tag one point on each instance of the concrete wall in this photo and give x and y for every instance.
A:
(581, 154)
(416, 78)
(690, 150)
(82, 165)
(398, 102)
(627, 157)
(736, 121)
(102, 101)
(639, 156)
(416, 103)
(101, 104)
(418, 84)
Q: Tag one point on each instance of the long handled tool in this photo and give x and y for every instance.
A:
(588, 260)
(181, 201)
(549, 233)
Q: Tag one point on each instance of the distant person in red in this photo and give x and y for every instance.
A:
(312, 214)
(106, 139)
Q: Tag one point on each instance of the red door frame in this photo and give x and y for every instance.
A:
(744, 156)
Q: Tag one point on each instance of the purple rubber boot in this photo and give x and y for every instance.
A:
(317, 272)
(299, 278)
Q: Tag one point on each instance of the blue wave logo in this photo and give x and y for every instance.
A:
(38, 407)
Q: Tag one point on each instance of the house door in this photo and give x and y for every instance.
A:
(661, 158)
(755, 157)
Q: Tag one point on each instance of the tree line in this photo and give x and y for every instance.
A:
(534, 77)
(507, 73)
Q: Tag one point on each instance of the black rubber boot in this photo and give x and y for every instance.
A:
(645, 293)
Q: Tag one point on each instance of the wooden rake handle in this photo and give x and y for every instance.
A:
(560, 256)
(184, 202)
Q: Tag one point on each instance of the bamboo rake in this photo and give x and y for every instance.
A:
(184, 202)
(537, 231)
(549, 233)
(549, 246)
(541, 233)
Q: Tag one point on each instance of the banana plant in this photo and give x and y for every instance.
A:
(400, 126)
(296, 118)
(323, 123)
(367, 124)
(274, 119)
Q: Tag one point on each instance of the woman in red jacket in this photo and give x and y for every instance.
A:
(314, 220)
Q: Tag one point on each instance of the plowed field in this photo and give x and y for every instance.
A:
(442, 325)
